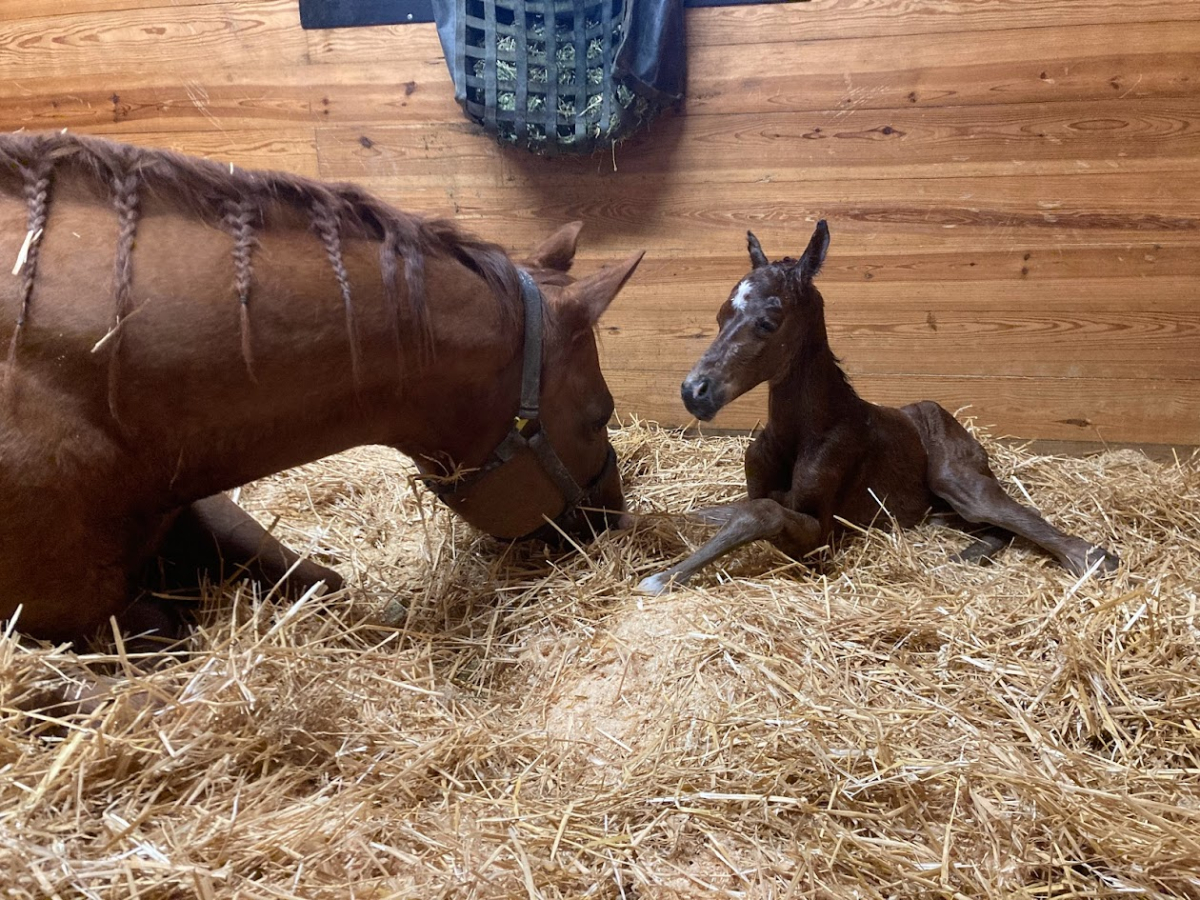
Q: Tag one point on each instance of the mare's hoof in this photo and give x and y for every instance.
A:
(307, 574)
(655, 585)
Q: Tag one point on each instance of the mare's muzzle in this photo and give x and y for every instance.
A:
(524, 485)
(519, 496)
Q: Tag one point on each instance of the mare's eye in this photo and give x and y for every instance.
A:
(765, 325)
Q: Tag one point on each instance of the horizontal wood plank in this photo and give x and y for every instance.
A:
(128, 103)
(1082, 328)
(1019, 65)
(291, 148)
(192, 42)
(22, 9)
(1134, 136)
(1013, 214)
(908, 258)
(759, 24)
(1068, 409)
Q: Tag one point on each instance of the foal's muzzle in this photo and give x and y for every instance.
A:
(702, 396)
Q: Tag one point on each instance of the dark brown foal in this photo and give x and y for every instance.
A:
(826, 456)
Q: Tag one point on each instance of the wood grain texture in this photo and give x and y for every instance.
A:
(1058, 409)
(1013, 186)
(758, 24)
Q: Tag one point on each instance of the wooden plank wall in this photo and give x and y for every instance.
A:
(1012, 185)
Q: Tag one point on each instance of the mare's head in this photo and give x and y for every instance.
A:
(561, 466)
(771, 315)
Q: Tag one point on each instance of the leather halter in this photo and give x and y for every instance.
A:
(526, 433)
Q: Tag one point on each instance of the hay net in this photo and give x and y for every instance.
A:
(563, 76)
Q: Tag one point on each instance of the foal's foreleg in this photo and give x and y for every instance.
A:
(988, 543)
(794, 533)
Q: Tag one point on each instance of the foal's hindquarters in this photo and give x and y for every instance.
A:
(959, 474)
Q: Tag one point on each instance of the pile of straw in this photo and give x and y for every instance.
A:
(470, 719)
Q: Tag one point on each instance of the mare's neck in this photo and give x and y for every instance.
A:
(306, 404)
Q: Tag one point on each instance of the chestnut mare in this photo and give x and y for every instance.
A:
(827, 455)
(173, 329)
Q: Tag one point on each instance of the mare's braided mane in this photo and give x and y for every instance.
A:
(35, 178)
(237, 202)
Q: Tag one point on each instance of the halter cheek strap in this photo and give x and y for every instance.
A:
(528, 419)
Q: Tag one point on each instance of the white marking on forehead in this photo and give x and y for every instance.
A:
(742, 295)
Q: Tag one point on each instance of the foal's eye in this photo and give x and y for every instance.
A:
(765, 325)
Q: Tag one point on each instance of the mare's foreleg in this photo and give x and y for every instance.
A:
(794, 533)
(218, 537)
(960, 475)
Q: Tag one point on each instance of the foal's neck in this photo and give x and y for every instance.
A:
(812, 393)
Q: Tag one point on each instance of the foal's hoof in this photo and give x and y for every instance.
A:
(1108, 562)
(655, 585)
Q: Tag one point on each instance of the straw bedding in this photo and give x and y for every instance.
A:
(470, 719)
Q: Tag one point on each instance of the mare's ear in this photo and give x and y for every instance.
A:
(586, 300)
(557, 251)
(757, 257)
(814, 254)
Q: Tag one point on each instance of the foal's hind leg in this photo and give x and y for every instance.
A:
(960, 475)
(988, 542)
(794, 533)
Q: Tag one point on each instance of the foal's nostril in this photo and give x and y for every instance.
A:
(697, 388)
(701, 396)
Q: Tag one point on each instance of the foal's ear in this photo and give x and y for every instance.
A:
(586, 300)
(757, 257)
(557, 251)
(814, 254)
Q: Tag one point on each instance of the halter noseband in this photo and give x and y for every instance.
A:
(526, 433)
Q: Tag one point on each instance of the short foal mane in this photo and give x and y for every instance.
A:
(238, 201)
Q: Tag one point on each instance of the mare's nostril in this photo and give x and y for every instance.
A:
(701, 388)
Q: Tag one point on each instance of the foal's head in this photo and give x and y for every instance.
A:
(773, 314)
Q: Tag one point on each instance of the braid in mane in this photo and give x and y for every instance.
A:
(37, 179)
(327, 223)
(414, 279)
(126, 203)
(238, 220)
